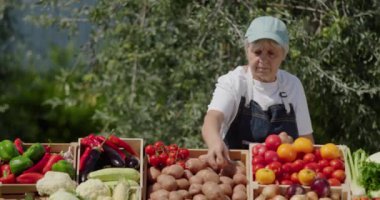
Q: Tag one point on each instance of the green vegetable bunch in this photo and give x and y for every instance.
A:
(370, 178)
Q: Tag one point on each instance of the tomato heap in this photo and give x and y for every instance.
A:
(161, 155)
(275, 161)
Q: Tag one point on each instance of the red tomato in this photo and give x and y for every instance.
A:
(309, 157)
(272, 142)
(173, 147)
(271, 156)
(317, 153)
(334, 182)
(258, 160)
(313, 166)
(276, 167)
(169, 161)
(154, 160)
(339, 174)
(259, 149)
(323, 163)
(184, 153)
(327, 171)
(173, 154)
(287, 168)
(150, 150)
(337, 164)
(163, 157)
(286, 182)
(257, 167)
(159, 145)
(320, 175)
(297, 165)
(294, 177)
(284, 176)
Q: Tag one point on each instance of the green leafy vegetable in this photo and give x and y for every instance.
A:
(370, 177)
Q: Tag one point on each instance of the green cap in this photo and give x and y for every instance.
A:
(268, 27)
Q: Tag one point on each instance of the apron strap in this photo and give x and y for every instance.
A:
(283, 96)
(249, 87)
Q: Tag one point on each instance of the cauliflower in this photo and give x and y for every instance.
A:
(53, 181)
(61, 194)
(93, 188)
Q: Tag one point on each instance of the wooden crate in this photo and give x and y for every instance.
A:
(137, 144)
(256, 187)
(238, 155)
(17, 191)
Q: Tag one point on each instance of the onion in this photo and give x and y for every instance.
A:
(321, 186)
(270, 191)
(294, 189)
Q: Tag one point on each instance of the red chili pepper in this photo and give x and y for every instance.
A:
(29, 178)
(6, 175)
(121, 143)
(18, 143)
(84, 158)
(107, 142)
(40, 165)
(47, 148)
(90, 140)
(53, 159)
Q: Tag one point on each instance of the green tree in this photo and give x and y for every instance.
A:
(153, 64)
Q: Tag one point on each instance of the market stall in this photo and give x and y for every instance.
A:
(124, 168)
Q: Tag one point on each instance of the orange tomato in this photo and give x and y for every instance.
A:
(330, 151)
(265, 176)
(286, 152)
(306, 176)
(303, 145)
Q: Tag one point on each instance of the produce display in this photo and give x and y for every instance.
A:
(297, 167)
(109, 167)
(27, 163)
(98, 152)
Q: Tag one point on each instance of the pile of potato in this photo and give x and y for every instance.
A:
(198, 181)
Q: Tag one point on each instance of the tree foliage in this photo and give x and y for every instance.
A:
(152, 65)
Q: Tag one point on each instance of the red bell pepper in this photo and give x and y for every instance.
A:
(53, 159)
(123, 144)
(40, 165)
(29, 178)
(6, 176)
(18, 143)
(107, 142)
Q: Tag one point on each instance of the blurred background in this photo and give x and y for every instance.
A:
(147, 69)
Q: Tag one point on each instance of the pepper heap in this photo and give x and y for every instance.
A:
(27, 166)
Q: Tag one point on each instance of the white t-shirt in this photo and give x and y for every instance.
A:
(233, 85)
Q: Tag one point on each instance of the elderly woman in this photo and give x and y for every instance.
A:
(257, 99)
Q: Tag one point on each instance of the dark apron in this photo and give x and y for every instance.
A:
(253, 124)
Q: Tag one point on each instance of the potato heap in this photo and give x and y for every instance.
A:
(198, 181)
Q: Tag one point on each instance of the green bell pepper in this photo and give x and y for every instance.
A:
(8, 150)
(35, 152)
(19, 164)
(64, 166)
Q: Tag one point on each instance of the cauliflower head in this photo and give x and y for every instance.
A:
(53, 181)
(92, 189)
(61, 194)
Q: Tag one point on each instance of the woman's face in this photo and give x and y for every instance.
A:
(265, 58)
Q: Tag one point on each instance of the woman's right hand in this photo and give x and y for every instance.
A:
(217, 155)
(217, 150)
